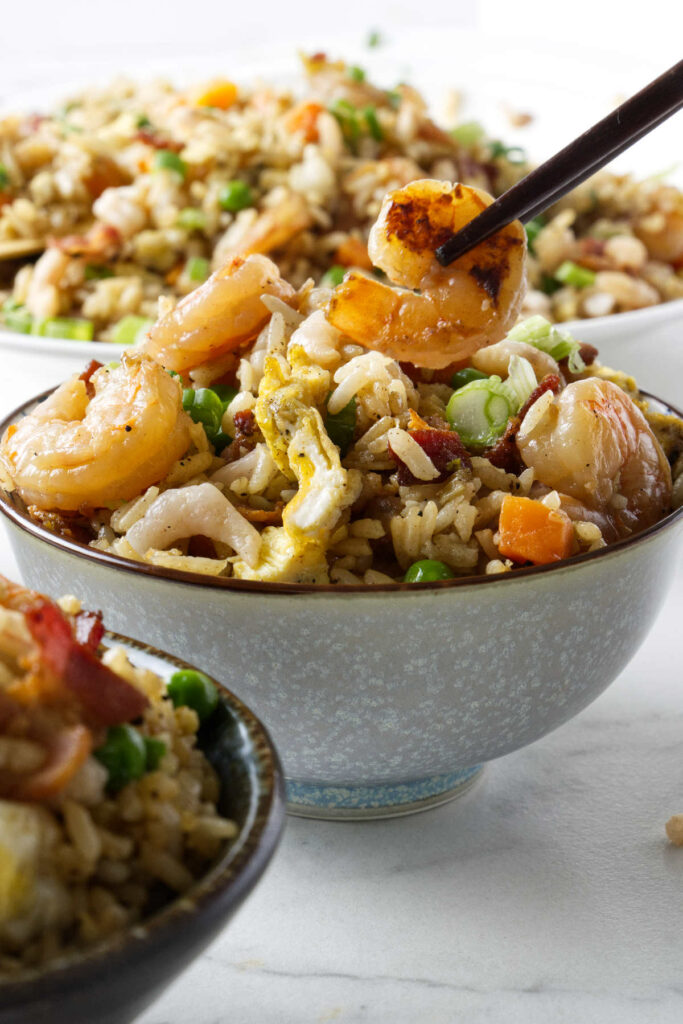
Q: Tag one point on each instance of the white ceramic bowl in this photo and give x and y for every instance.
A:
(382, 700)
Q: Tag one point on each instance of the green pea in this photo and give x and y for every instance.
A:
(225, 393)
(427, 570)
(205, 407)
(466, 376)
(334, 276)
(124, 755)
(192, 219)
(154, 751)
(192, 689)
(236, 196)
(167, 160)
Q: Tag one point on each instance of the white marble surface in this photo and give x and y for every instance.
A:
(548, 893)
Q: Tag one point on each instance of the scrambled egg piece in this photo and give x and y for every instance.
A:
(288, 415)
(29, 898)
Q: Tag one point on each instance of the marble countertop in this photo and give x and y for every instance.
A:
(547, 893)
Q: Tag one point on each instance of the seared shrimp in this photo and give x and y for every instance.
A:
(75, 451)
(592, 443)
(460, 308)
(219, 317)
(274, 227)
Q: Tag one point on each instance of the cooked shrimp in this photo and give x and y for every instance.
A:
(592, 443)
(496, 358)
(77, 451)
(272, 228)
(460, 308)
(219, 317)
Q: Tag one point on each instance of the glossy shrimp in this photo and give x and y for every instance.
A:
(80, 449)
(459, 308)
(594, 445)
(218, 318)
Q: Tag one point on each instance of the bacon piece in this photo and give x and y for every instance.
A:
(105, 698)
(100, 242)
(443, 447)
(89, 630)
(157, 140)
(104, 173)
(92, 366)
(245, 424)
(505, 453)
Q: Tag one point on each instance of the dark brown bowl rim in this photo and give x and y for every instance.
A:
(263, 587)
(230, 878)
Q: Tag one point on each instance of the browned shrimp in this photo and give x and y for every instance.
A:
(459, 308)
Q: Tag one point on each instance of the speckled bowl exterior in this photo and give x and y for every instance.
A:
(384, 699)
(113, 982)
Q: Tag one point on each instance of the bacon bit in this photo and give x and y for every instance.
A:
(158, 141)
(105, 698)
(443, 447)
(588, 353)
(245, 424)
(264, 516)
(105, 173)
(353, 253)
(66, 752)
(73, 525)
(431, 132)
(101, 241)
(89, 630)
(505, 453)
(304, 119)
(92, 366)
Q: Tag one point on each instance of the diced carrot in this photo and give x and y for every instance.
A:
(221, 94)
(532, 532)
(304, 118)
(353, 253)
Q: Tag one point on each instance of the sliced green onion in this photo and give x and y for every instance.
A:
(205, 407)
(197, 268)
(334, 276)
(468, 133)
(374, 38)
(167, 160)
(341, 426)
(97, 272)
(16, 316)
(374, 127)
(533, 229)
(356, 74)
(4, 177)
(143, 121)
(513, 154)
(220, 441)
(192, 219)
(72, 327)
(192, 689)
(236, 196)
(123, 754)
(548, 285)
(558, 343)
(521, 380)
(466, 376)
(154, 751)
(394, 98)
(347, 117)
(571, 273)
(426, 570)
(131, 329)
(480, 411)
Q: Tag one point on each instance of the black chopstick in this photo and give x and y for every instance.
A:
(573, 164)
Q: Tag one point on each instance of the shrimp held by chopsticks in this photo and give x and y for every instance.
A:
(459, 308)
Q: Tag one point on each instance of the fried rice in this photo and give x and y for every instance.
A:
(139, 191)
(80, 857)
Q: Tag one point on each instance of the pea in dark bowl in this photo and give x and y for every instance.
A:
(114, 981)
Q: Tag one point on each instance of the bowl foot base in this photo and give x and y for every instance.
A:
(386, 800)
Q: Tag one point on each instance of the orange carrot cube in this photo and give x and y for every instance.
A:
(532, 532)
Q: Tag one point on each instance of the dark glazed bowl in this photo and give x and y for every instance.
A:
(113, 982)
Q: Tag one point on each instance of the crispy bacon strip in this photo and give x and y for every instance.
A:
(105, 698)
(443, 447)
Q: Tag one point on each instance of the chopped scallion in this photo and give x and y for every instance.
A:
(4, 177)
(131, 329)
(533, 229)
(334, 276)
(513, 154)
(480, 411)
(356, 74)
(143, 121)
(341, 427)
(167, 160)
(197, 268)
(466, 376)
(468, 133)
(374, 38)
(97, 272)
(71, 327)
(16, 317)
(558, 343)
(571, 273)
(192, 219)
(374, 127)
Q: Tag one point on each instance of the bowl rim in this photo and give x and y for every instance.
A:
(20, 520)
(229, 879)
(88, 349)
